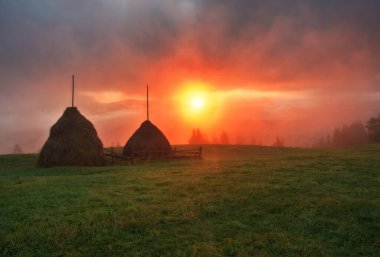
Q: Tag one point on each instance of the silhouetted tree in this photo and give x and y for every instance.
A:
(323, 142)
(336, 138)
(17, 149)
(349, 135)
(193, 138)
(197, 137)
(373, 126)
(224, 140)
(279, 142)
(358, 134)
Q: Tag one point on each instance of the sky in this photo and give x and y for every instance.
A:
(254, 69)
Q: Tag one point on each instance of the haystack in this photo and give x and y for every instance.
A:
(147, 140)
(73, 141)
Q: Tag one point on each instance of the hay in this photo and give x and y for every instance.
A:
(73, 141)
(147, 140)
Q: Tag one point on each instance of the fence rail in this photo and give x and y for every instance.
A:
(153, 155)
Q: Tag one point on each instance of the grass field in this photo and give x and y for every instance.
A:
(237, 201)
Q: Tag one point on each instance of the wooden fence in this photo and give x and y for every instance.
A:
(117, 157)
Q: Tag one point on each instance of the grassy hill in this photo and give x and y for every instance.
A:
(237, 201)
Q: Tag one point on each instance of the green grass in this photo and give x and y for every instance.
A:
(237, 201)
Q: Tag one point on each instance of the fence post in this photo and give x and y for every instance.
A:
(200, 152)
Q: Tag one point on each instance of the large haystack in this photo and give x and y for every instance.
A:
(73, 141)
(147, 140)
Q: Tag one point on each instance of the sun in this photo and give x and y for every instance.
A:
(197, 103)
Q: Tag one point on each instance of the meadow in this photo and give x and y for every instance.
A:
(236, 201)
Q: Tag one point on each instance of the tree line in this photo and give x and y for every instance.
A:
(352, 134)
(198, 138)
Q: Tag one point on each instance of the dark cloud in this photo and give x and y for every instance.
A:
(41, 36)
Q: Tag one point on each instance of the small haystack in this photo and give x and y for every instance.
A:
(147, 140)
(73, 141)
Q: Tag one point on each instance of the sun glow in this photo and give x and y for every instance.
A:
(197, 103)
(194, 98)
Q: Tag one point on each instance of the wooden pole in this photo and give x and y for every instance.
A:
(147, 102)
(72, 95)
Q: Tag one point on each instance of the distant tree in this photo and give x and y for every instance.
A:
(373, 126)
(17, 149)
(358, 134)
(193, 138)
(349, 135)
(197, 137)
(279, 142)
(323, 142)
(336, 138)
(224, 140)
